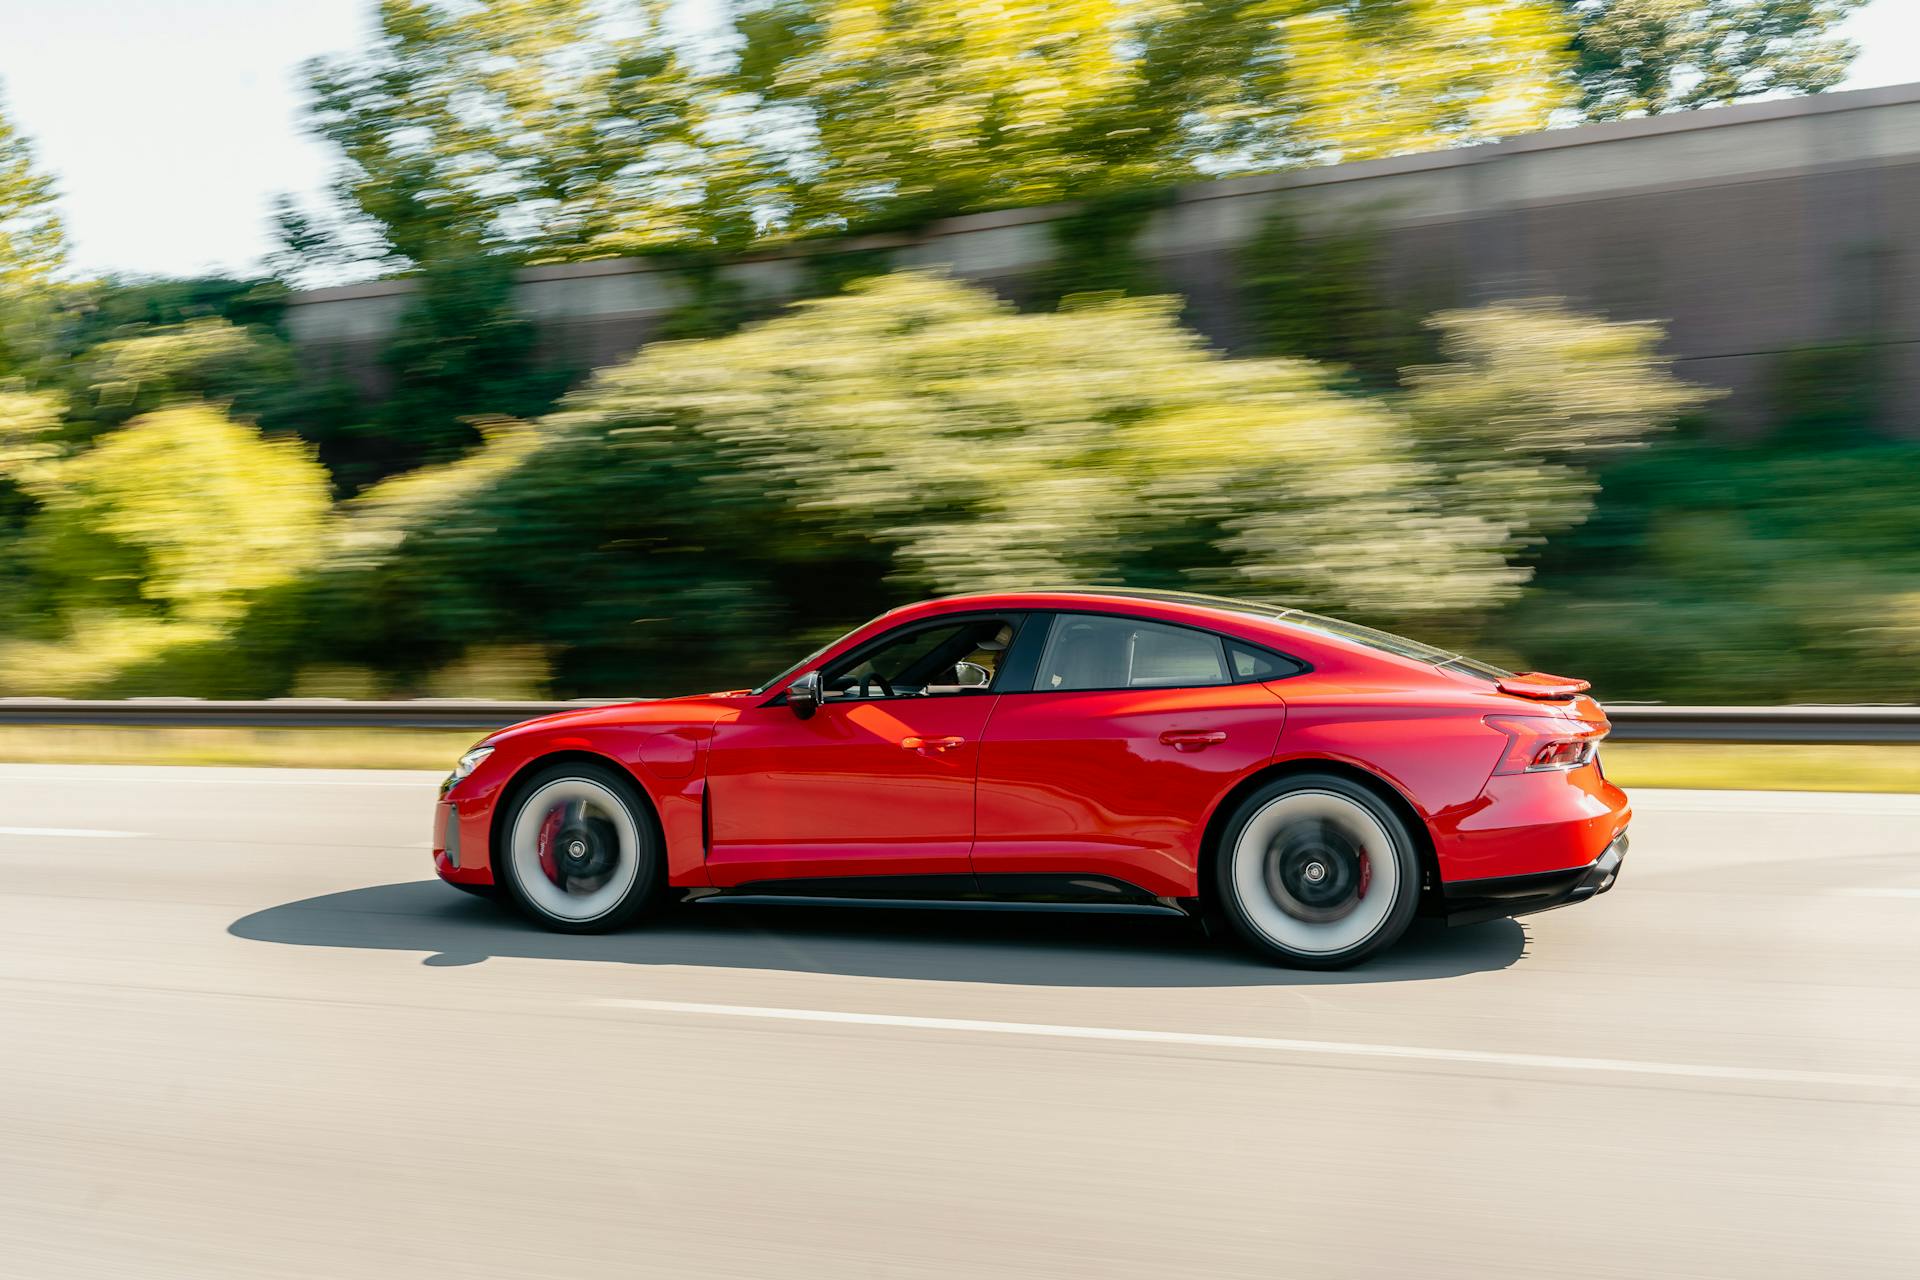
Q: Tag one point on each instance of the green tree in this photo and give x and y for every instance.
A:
(554, 129)
(699, 511)
(538, 128)
(206, 358)
(28, 449)
(182, 513)
(33, 244)
(460, 355)
(33, 252)
(160, 538)
(1321, 297)
(1531, 397)
(900, 112)
(1649, 56)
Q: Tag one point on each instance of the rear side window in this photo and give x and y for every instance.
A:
(1250, 664)
(1088, 651)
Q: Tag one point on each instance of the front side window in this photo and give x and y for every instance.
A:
(941, 660)
(1090, 651)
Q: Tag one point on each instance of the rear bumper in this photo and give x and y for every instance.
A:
(1472, 901)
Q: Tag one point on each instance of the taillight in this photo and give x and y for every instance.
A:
(1537, 743)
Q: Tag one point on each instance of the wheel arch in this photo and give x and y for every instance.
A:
(515, 785)
(1388, 793)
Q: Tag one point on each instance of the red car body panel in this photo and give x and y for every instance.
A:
(839, 795)
(1118, 783)
(1089, 783)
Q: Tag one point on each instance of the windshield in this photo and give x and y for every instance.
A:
(812, 657)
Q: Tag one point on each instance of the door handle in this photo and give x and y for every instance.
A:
(932, 744)
(1192, 739)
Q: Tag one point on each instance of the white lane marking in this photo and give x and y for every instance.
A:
(76, 833)
(1322, 1048)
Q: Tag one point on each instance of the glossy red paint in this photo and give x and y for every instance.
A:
(1121, 783)
(844, 794)
(1089, 782)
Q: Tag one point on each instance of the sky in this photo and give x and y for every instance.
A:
(170, 125)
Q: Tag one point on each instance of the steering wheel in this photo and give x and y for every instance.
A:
(874, 678)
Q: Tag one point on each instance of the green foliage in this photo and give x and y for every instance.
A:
(538, 128)
(1637, 57)
(1785, 569)
(33, 252)
(831, 270)
(1829, 397)
(1531, 395)
(714, 302)
(33, 244)
(1720, 573)
(114, 308)
(27, 420)
(201, 359)
(460, 354)
(1365, 80)
(28, 451)
(555, 129)
(182, 512)
(1095, 246)
(695, 514)
(1319, 297)
(900, 113)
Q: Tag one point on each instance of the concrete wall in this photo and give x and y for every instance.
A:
(1749, 230)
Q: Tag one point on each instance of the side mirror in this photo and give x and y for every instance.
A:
(971, 675)
(803, 695)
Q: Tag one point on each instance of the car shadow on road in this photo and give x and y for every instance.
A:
(1057, 949)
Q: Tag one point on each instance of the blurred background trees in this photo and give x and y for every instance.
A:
(1650, 56)
(187, 508)
(550, 130)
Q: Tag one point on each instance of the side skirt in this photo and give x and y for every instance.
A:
(1097, 894)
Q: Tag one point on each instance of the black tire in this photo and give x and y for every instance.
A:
(610, 827)
(1298, 862)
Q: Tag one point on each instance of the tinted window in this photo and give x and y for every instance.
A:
(944, 659)
(1372, 637)
(1250, 663)
(1387, 642)
(1093, 652)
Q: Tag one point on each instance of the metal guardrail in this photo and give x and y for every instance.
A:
(1851, 724)
(280, 713)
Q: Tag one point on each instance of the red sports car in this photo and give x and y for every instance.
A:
(1314, 782)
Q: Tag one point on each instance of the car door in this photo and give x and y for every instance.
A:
(880, 780)
(1111, 764)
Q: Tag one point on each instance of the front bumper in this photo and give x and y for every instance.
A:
(460, 846)
(1472, 901)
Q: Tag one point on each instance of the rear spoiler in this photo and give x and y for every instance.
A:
(1538, 684)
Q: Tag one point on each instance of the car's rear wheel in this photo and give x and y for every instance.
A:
(580, 853)
(1318, 872)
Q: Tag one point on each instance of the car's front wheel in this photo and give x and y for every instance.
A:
(580, 854)
(1316, 871)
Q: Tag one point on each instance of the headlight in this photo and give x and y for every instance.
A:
(468, 763)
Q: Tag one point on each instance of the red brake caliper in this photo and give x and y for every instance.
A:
(1366, 873)
(544, 844)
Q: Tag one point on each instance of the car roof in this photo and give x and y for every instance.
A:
(1056, 597)
(1281, 622)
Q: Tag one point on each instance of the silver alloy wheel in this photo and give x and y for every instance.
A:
(1315, 872)
(575, 849)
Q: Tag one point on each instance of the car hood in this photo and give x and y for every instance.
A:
(698, 708)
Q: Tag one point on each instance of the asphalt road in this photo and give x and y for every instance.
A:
(242, 1033)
